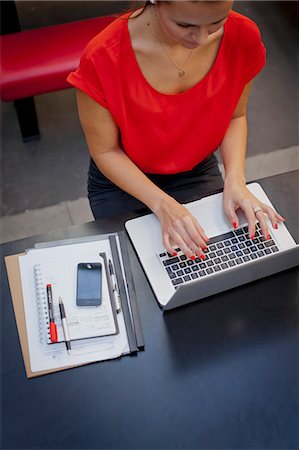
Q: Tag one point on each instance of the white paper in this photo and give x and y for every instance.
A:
(42, 355)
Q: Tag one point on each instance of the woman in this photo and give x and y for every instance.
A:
(158, 92)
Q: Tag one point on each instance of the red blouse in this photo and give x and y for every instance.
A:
(163, 133)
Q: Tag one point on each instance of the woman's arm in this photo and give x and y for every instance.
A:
(236, 195)
(179, 227)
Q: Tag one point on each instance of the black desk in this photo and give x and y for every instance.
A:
(221, 374)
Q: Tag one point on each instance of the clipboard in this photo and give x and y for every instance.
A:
(130, 308)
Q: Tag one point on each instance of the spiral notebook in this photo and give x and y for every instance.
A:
(56, 263)
(83, 322)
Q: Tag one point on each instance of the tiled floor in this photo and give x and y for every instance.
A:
(43, 183)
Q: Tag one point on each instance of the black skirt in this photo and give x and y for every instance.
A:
(108, 200)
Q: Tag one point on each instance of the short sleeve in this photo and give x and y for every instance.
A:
(254, 51)
(86, 78)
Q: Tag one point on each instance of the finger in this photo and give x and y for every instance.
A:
(231, 214)
(201, 232)
(167, 244)
(274, 217)
(191, 236)
(250, 216)
(261, 217)
(181, 243)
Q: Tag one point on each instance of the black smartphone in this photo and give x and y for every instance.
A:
(89, 284)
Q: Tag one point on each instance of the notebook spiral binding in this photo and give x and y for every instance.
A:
(42, 305)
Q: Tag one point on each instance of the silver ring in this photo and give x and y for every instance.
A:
(257, 209)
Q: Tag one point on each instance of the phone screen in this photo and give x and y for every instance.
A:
(89, 284)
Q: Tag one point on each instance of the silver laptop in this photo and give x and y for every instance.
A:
(232, 258)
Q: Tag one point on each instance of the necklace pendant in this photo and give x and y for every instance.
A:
(181, 73)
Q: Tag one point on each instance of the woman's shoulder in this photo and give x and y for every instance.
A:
(245, 27)
(245, 35)
(108, 40)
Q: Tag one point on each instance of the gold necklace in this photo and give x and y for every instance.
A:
(181, 71)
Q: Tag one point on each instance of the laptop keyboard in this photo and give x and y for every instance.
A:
(224, 251)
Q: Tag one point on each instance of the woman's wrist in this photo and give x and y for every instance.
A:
(234, 178)
(158, 204)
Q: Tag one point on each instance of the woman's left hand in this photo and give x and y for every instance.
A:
(237, 196)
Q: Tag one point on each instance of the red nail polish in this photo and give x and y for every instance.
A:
(252, 237)
(192, 257)
(235, 225)
(174, 254)
(275, 226)
(268, 236)
(202, 256)
(205, 248)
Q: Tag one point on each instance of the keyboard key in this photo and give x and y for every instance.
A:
(183, 258)
(220, 238)
(239, 253)
(253, 256)
(194, 275)
(177, 281)
(239, 260)
(232, 256)
(217, 260)
(197, 260)
(212, 247)
(162, 255)
(195, 268)
(227, 243)
(241, 245)
(274, 249)
(202, 265)
(175, 267)
(260, 253)
(253, 248)
(188, 270)
(209, 270)
(170, 261)
(255, 241)
(220, 245)
(260, 246)
(224, 258)
(210, 263)
(224, 266)
(246, 258)
(227, 250)
(190, 262)
(217, 268)
(248, 243)
(245, 230)
(219, 252)
(267, 251)
(172, 275)
(239, 232)
(234, 248)
(246, 251)
(234, 240)
(180, 273)
(183, 264)
(231, 263)
(168, 270)
(269, 243)
(187, 278)
(202, 273)
(241, 238)
(212, 255)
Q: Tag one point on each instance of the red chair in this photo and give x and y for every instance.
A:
(38, 61)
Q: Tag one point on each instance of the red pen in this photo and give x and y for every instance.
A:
(53, 329)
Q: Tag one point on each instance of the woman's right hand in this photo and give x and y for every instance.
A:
(181, 229)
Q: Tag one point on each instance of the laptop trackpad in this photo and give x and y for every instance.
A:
(209, 215)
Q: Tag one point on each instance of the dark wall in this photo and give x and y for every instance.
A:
(34, 14)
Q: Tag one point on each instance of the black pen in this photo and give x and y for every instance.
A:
(64, 326)
(114, 288)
